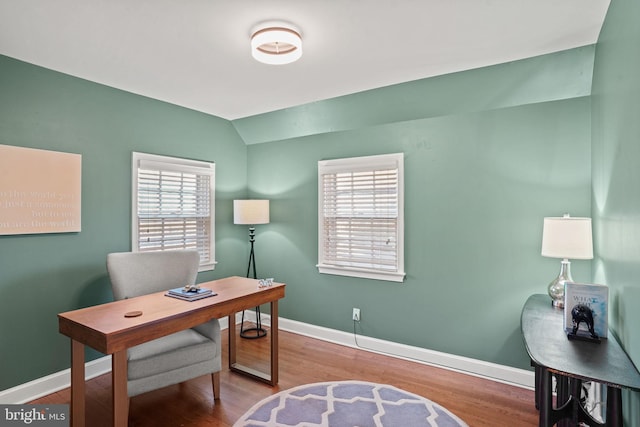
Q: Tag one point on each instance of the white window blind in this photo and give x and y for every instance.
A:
(173, 206)
(361, 217)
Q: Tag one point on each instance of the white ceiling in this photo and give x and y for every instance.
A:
(195, 53)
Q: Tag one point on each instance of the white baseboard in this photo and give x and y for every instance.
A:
(519, 377)
(52, 383)
(492, 371)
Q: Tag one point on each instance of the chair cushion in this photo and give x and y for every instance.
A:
(171, 352)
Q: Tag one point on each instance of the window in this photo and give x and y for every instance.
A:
(173, 206)
(360, 219)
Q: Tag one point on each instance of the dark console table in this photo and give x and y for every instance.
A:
(572, 362)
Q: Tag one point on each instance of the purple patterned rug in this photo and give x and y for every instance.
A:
(347, 404)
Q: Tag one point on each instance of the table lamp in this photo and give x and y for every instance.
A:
(251, 212)
(565, 238)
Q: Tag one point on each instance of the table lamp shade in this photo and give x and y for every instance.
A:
(251, 212)
(567, 238)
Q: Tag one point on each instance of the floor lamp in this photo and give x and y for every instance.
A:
(251, 212)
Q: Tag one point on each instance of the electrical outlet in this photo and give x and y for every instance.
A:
(356, 314)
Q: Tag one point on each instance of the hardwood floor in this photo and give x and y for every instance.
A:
(305, 360)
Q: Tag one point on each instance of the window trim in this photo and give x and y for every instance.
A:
(360, 164)
(175, 164)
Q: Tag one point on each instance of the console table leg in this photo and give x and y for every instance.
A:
(614, 407)
(576, 394)
(545, 399)
(536, 382)
(562, 397)
(562, 385)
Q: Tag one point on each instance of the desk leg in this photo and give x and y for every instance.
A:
(232, 340)
(274, 342)
(269, 378)
(77, 384)
(119, 388)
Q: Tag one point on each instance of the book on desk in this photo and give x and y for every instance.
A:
(191, 294)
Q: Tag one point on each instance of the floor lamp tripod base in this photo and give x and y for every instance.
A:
(257, 331)
(253, 333)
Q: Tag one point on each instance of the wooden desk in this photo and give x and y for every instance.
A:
(104, 328)
(572, 362)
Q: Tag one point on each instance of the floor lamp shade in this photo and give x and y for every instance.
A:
(565, 238)
(251, 212)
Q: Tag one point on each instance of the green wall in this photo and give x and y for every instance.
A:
(42, 275)
(480, 177)
(616, 177)
(563, 75)
(489, 153)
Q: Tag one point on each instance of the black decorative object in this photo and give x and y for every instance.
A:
(581, 313)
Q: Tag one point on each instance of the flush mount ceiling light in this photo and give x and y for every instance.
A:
(276, 44)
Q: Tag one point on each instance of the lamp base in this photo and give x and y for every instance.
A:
(556, 287)
(253, 333)
(558, 303)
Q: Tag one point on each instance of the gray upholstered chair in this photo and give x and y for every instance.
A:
(174, 358)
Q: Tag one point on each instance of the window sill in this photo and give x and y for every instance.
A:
(207, 267)
(362, 273)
